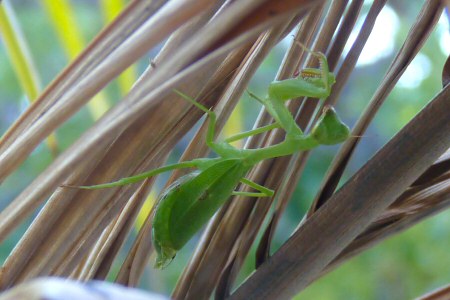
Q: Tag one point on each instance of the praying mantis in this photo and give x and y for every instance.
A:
(188, 203)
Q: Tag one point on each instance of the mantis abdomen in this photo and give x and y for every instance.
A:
(189, 203)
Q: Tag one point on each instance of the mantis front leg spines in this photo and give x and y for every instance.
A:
(313, 83)
(186, 205)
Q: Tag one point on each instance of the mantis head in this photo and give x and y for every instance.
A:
(329, 129)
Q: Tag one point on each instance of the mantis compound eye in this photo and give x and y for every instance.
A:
(329, 129)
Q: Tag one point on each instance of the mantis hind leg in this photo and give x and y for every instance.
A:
(137, 178)
(263, 191)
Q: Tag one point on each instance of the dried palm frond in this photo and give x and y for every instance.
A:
(211, 50)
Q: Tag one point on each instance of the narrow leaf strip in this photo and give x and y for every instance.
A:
(62, 16)
(21, 60)
(110, 9)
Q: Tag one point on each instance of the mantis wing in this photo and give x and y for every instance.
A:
(189, 203)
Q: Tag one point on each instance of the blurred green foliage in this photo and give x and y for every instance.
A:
(402, 267)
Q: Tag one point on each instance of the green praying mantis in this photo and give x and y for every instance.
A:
(188, 203)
